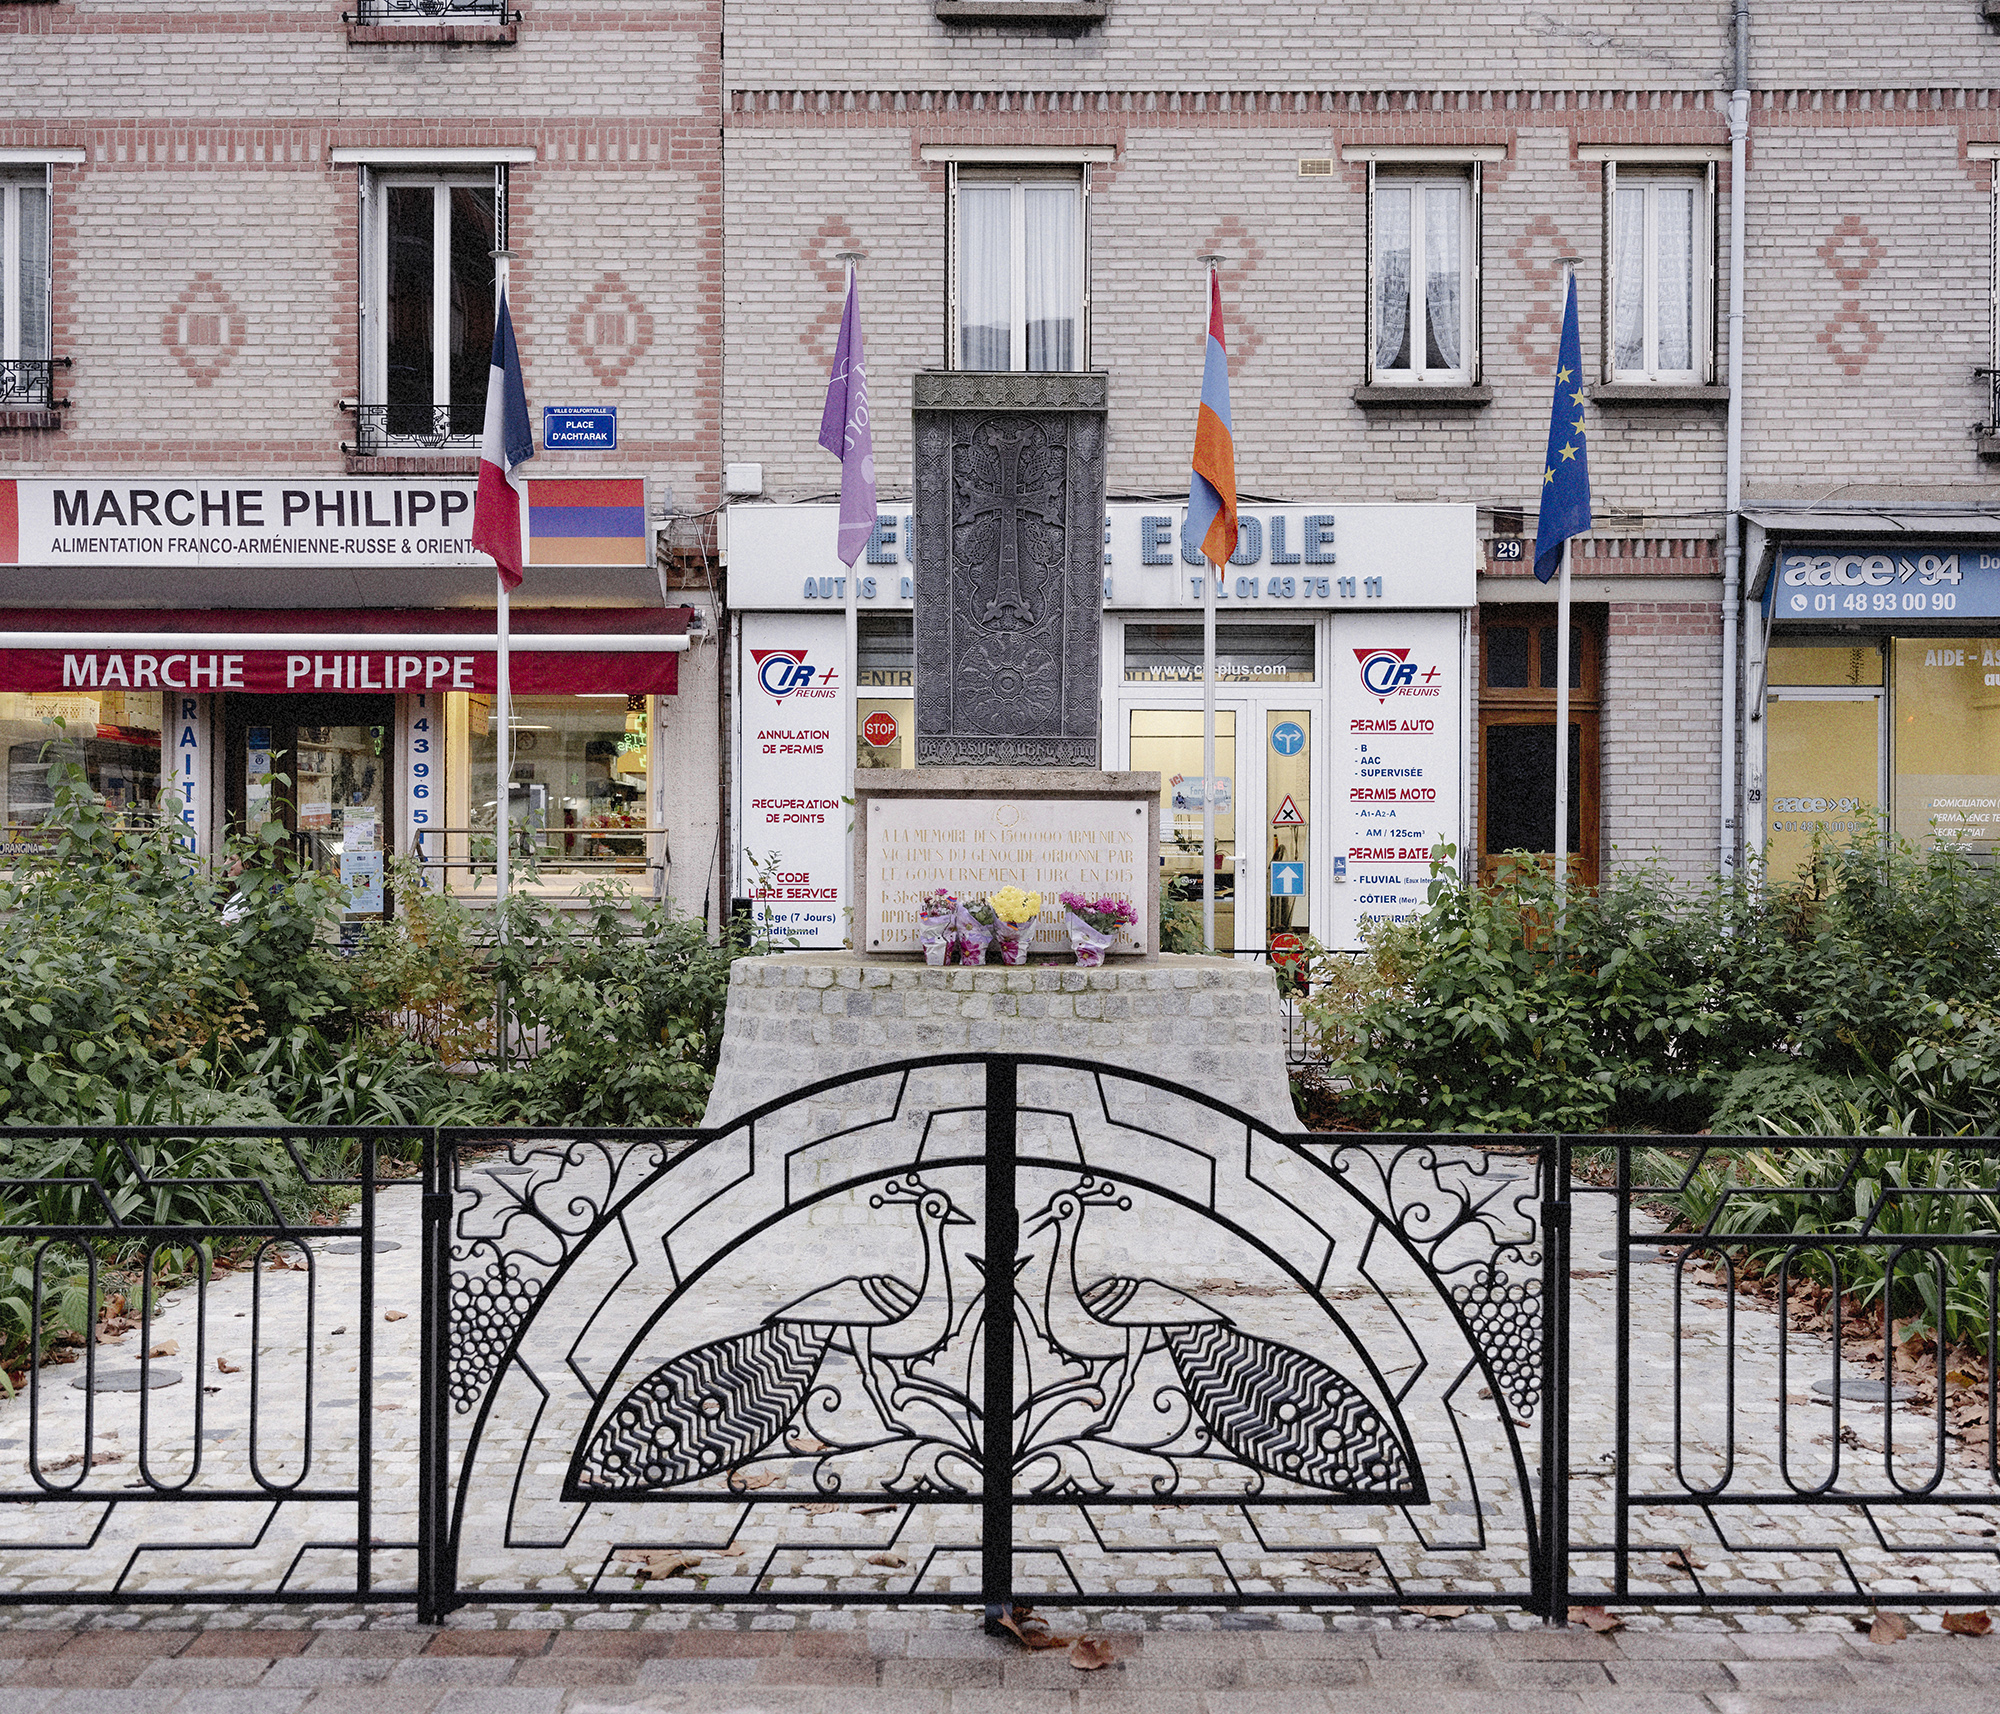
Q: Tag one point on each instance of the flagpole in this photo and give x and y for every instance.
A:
(850, 701)
(1562, 672)
(1210, 572)
(503, 702)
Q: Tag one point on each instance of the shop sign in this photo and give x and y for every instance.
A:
(268, 671)
(794, 824)
(1925, 580)
(1306, 557)
(179, 520)
(1398, 708)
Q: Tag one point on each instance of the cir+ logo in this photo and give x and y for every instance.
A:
(1386, 671)
(782, 671)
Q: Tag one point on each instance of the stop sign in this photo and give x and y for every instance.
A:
(879, 728)
(1288, 952)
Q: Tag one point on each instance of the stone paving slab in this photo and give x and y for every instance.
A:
(907, 1661)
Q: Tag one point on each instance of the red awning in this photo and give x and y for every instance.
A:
(553, 651)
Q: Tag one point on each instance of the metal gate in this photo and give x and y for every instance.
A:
(990, 1329)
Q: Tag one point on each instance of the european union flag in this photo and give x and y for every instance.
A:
(1566, 471)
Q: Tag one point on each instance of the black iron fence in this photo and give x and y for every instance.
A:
(994, 1328)
(414, 427)
(29, 383)
(432, 11)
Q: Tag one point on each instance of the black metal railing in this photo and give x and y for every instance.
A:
(29, 383)
(430, 11)
(1041, 1331)
(1989, 430)
(413, 428)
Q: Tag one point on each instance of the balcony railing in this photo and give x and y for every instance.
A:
(382, 429)
(29, 383)
(1987, 434)
(431, 11)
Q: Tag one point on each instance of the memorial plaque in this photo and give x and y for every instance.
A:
(1008, 565)
(972, 831)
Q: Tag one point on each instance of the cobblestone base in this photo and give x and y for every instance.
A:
(1211, 1023)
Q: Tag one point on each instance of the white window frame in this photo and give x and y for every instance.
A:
(1018, 174)
(13, 334)
(1386, 175)
(442, 177)
(1701, 269)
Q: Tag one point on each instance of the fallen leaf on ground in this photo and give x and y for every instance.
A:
(1969, 1624)
(1028, 1629)
(889, 1559)
(1888, 1628)
(1596, 1618)
(1680, 1560)
(870, 1511)
(1342, 1561)
(335, 1332)
(765, 1480)
(648, 1562)
(1439, 1612)
(808, 1443)
(227, 1367)
(395, 1315)
(1087, 1654)
(76, 1458)
(165, 1348)
(724, 1552)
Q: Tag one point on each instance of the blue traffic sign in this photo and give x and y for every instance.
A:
(1288, 737)
(1288, 880)
(580, 428)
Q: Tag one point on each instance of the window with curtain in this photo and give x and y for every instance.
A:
(432, 291)
(1658, 259)
(1019, 270)
(1423, 285)
(24, 288)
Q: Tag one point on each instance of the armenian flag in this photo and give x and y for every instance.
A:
(1210, 530)
(587, 520)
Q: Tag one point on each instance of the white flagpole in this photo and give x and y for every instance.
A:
(1209, 574)
(850, 700)
(1562, 673)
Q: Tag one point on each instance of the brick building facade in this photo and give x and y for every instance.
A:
(677, 183)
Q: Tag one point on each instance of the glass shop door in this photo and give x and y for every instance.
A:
(1170, 740)
(319, 766)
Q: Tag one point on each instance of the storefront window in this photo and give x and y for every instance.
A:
(1946, 755)
(113, 735)
(577, 797)
(1859, 665)
(1244, 654)
(884, 727)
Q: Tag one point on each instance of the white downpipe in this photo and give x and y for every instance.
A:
(1732, 831)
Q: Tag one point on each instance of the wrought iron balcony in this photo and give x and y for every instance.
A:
(380, 429)
(29, 383)
(1987, 434)
(431, 12)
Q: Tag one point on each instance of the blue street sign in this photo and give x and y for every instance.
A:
(580, 428)
(1288, 880)
(1288, 737)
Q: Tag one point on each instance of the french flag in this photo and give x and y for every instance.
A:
(1210, 530)
(507, 442)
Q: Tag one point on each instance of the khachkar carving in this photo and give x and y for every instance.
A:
(1008, 552)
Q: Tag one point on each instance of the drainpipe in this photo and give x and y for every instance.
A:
(1732, 501)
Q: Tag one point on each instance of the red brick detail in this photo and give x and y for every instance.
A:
(611, 329)
(1538, 252)
(1240, 336)
(410, 465)
(834, 235)
(30, 419)
(203, 329)
(1638, 556)
(1665, 619)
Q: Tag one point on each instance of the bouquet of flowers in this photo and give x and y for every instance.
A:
(937, 919)
(1094, 923)
(1016, 912)
(975, 930)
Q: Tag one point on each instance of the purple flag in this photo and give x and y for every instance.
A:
(844, 431)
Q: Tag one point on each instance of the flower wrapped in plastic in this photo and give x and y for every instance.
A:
(937, 925)
(1093, 923)
(1014, 913)
(975, 930)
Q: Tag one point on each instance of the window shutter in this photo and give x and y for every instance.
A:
(1606, 285)
(366, 191)
(1474, 315)
(1083, 292)
(1714, 244)
(1368, 289)
(1993, 270)
(951, 358)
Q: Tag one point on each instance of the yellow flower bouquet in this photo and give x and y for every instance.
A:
(1013, 911)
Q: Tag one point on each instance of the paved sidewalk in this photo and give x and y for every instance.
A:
(711, 1661)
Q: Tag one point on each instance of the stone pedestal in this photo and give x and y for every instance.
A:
(976, 830)
(1213, 1024)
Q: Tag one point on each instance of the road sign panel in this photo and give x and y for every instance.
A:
(1288, 737)
(879, 729)
(1288, 880)
(1288, 814)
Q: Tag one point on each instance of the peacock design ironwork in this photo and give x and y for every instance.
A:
(1123, 1381)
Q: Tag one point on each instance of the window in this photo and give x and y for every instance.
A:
(113, 736)
(1019, 267)
(1423, 306)
(428, 311)
(1658, 287)
(24, 290)
(1517, 737)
